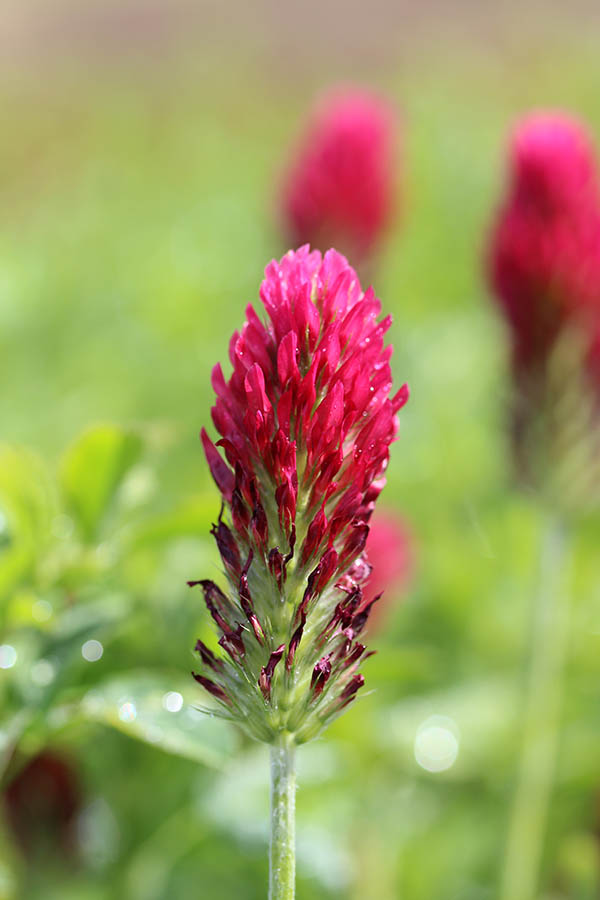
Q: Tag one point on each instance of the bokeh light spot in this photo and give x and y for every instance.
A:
(172, 701)
(8, 656)
(92, 650)
(62, 527)
(127, 711)
(43, 673)
(437, 743)
(41, 610)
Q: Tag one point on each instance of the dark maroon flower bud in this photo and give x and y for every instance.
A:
(266, 673)
(349, 692)
(259, 528)
(320, 675)
(344, 648)
(314, 536)
(295, 640)
(232, 642)
(248, 608)
(227, 547)
(360, 619)
(208, 657)
(321, 575)
(358, 574)
(355, 544)
(343, 613)
(212, 688)
(292, 541)
(354, 655)
(216, 602)
(277, 566)
(240, 513)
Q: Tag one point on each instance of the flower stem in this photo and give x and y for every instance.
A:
(282, 871)
(541, 727)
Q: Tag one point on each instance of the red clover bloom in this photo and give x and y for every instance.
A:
(545, 272)
(545, 253)
(306, 421)
(340, 187)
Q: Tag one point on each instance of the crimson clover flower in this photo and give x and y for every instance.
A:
(545, 252)
(305, 420)
(544, 267)
(340, 187)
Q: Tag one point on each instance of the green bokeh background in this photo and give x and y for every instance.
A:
(139, 188)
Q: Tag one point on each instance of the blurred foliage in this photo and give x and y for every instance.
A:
(137, 215)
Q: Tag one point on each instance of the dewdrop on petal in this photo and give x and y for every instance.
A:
(305, 423)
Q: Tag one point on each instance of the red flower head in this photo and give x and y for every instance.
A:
(306, 422)
(545, 269)
(545, 254)
(340, 187)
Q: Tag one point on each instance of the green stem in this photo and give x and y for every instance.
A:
(541, 727)
(282, 872)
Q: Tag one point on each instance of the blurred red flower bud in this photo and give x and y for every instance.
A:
(340, 189)
(545, 250)
(390, 553)
(42, 802)
(544, 267)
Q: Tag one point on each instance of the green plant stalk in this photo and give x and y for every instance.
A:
(541, 726)
(282, 860)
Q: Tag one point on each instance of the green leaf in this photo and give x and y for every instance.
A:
(92, 470)
(159, 710)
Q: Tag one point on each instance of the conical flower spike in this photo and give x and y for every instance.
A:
(305, 424)
(544, 268)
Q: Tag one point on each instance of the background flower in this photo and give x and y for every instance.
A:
(341, 187)
(545, 272)
(391, 554)
(545, 250)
